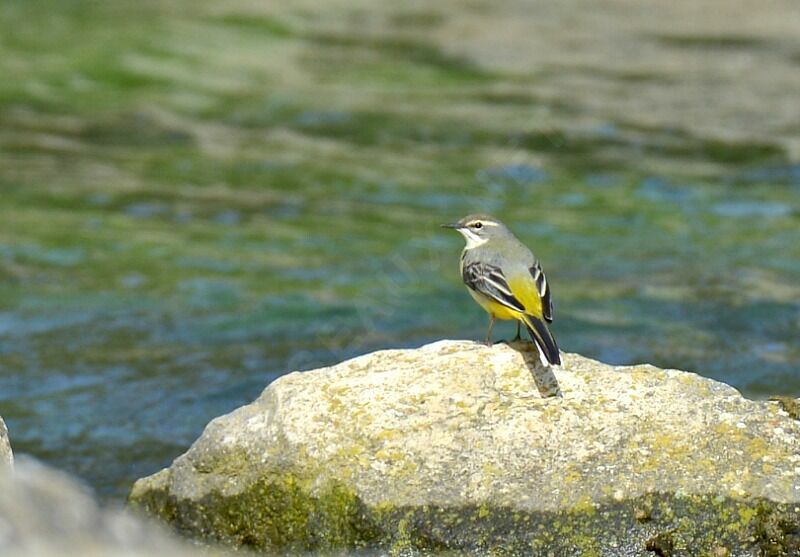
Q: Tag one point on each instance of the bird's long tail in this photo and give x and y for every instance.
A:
(541, 335)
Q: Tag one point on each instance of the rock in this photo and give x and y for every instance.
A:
(452, 446)
(43, 513)
(6, 456)
(789, 404)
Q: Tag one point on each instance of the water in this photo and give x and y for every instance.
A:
(197, 199)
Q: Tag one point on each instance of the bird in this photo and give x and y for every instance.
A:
(507, 281)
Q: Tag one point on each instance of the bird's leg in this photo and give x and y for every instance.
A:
(489, 332)
(518, 337)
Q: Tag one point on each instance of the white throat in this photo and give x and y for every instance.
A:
(473, 240)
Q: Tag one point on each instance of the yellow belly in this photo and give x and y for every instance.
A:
(495, 309)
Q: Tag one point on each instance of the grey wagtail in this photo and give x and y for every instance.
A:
(505, 278)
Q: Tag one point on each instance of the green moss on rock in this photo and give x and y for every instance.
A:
(284, 513)
(277, 511)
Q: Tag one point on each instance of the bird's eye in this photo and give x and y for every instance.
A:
(478, 225)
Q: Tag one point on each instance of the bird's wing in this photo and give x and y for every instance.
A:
(490, 281)
(543, 289)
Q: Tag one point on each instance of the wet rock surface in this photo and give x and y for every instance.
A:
(454, 446)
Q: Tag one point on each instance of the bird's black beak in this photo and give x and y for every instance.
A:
(453, 225)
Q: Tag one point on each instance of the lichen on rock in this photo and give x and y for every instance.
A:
(452, 446)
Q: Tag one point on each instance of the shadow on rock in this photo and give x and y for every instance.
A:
(543, 376)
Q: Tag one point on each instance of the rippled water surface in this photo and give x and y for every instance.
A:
(199, 197)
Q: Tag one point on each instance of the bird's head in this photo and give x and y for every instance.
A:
(479, 229)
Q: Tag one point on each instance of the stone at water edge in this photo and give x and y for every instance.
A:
(453, 446)
(44, 513)
(6, 456)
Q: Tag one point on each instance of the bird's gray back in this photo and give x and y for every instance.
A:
(511, 255)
